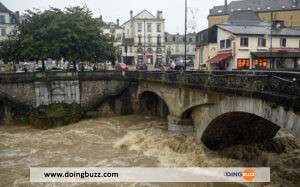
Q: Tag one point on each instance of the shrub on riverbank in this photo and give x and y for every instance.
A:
(54, 115)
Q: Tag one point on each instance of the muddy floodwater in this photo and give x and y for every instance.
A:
(134, 141)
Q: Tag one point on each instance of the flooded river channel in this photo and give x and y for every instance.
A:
(134, 141)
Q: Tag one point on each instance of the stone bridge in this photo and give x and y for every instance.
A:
(222, 108)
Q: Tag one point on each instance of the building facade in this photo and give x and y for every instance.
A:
(245, 42)
(206, 47)
(144, 39)
(8, 21)
(175, 47)
(267, 10)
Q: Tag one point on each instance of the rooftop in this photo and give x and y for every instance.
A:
(248, 23)
(4, 9)
(256, 5)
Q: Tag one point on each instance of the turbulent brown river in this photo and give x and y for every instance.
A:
(135, 141)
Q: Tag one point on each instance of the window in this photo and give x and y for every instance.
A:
(140, 39)
(149, 39)
(3, 32)
(222, 44)
(191, 40)
(140, 27)
(228, 43)
(282, 42)
(225, 44)
(2, 19)
(261, 42)
(149, 27)
(130, 49)
(261, 64)
(243, 63)
(158, 27)
(158, 40)
(244, 42)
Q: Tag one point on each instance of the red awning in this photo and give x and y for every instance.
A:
(220, 57)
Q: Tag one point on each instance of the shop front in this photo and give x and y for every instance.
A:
(276, 60)
(220, 61)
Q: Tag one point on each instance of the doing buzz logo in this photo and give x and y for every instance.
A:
(248, 174)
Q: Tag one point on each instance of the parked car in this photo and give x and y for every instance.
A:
(56, 69)
(179, 65)
(121, 67)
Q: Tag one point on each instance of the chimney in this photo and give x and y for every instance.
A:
(131, 14)
(159, 14)
(225, 7)
(118, 22)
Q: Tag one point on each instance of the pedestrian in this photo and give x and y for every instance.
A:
(94, 67)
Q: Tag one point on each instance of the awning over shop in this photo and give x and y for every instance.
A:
(220, 57)
(275, 54)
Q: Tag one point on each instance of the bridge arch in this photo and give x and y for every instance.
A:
(217, 125)
(152, 104)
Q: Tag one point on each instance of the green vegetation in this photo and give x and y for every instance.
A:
(54, 115)
(71, 34)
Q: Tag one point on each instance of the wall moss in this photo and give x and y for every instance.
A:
(55, 115)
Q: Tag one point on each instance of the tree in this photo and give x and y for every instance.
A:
(71, 34)
(10, 50)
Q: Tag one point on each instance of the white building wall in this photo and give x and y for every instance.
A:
(241, 52)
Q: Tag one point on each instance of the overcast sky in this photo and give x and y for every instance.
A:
(173, 10)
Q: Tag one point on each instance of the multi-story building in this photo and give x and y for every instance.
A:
(8, 21)
(175, 47)
(143, 40)
(245, 42)
(206, 47)
(115, 32)
(284, 10)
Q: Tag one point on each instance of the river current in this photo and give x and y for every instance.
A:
(130, 141)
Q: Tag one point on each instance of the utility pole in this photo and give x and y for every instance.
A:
(185, 36)
(271, 42)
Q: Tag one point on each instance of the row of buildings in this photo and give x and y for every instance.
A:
(143, 39)
(251, 34)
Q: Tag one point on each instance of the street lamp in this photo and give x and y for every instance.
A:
(185, 33)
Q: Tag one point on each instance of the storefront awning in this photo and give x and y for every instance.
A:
(220, 57)
(275, 54)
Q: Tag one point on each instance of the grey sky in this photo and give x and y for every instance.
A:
(112, 9)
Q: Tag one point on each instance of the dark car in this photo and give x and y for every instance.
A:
(56, 69)
(179, 65)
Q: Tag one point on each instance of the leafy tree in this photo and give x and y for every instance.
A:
(72, 34)
(10, 50)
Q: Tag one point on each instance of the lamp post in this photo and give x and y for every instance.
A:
(185, 33)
